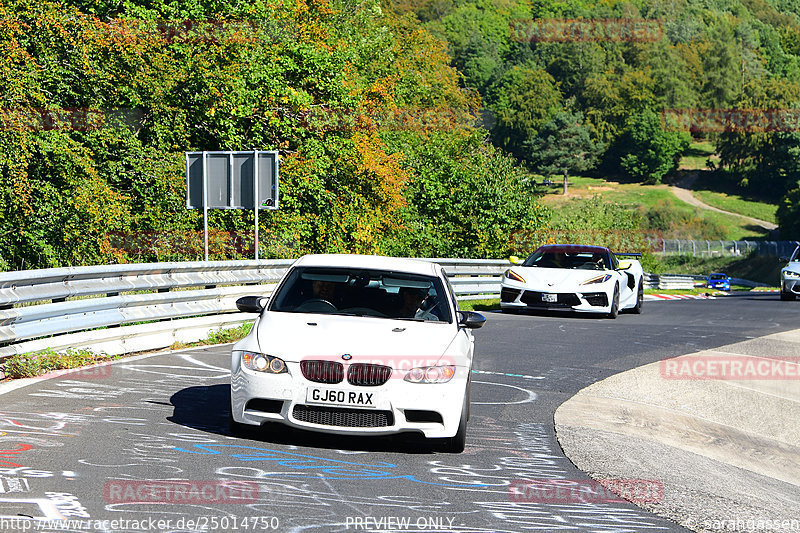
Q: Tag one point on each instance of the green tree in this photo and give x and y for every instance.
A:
(523, 100)
(788, 215)
(650, 152)
(563, 146)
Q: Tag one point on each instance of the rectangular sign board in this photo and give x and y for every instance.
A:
(229, 178)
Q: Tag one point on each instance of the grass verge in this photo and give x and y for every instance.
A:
(491, 304)
(737, 204)
(28, 365)
(218, 336)
(660, 210)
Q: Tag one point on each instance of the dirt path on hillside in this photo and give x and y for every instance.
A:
(683, 191)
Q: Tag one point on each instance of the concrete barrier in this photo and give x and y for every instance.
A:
(725, 450)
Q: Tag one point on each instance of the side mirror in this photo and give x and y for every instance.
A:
(470, 319)
(514, 260)
(624, 265)
(250, 304)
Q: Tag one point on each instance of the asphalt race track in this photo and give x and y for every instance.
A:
(83, 449)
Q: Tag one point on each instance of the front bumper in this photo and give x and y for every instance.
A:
(790, 285)
(400, 406)
(595, 300)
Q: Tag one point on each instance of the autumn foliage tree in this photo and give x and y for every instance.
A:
(99, 101)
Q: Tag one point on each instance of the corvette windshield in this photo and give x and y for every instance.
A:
(560, 258)
(363, 292)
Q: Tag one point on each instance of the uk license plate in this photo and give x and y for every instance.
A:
(340, 398)
(549, 298)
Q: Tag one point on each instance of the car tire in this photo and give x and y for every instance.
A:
(637, 309)
(787, 296)
(457, 443)
(614, 304)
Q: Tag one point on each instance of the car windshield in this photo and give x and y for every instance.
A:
(564, 258)
(717, 276)
(363, 292)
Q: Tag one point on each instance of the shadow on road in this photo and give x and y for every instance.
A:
(207, 408)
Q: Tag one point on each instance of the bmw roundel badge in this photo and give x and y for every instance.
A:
(347, 356)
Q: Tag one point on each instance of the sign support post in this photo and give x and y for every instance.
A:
(205, 204)
(256, 207)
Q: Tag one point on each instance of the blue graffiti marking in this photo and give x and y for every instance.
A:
(308, 466)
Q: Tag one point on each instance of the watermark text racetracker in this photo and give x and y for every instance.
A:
(180, 491)
(68, 118)
(730, 367)
(731, 120)
(199, 523)
(578, 491)
(585, 30)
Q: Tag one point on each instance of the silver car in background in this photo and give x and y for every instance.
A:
(790, 277)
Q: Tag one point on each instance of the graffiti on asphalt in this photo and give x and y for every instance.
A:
(298, 466)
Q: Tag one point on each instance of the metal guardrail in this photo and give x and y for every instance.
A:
(125, 308)
(669, 281)
(709, 248)
(679, 281)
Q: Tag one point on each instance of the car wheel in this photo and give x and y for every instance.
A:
(614, 304)
(457, 443)
(786, 296)
(639, 300)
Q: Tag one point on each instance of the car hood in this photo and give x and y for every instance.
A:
(794, 266)
(297, 336)
(552, 278)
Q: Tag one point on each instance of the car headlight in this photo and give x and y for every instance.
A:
(261, 362)
(790, 274)
(431, 374)
(510, 274)
(598, 279)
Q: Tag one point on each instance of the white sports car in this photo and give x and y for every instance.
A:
(574, 277)
(790, 277)
(353, 344)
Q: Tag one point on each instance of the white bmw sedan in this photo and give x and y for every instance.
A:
(354, 344)
(574, 277)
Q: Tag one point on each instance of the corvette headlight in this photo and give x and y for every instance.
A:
(598, 279)
(263, 363)
(510, 274)
(431, 374)
(790, 274)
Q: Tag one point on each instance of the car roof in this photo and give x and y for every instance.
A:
(718, 274)
(572, 248)
(377, 262)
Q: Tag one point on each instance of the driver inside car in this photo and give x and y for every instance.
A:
(411, 300)
(323, 290)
